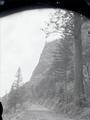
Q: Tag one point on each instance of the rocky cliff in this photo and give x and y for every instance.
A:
(45, 63)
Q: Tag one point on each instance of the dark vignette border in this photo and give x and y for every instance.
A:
(13, 6)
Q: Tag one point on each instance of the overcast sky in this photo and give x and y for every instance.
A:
(21, 43)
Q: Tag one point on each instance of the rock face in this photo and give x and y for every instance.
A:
(47, 80)
(45, 63)
(42, 80)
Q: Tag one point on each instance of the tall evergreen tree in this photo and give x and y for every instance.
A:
(62, 24)
(68, 25)
(18, 82)
(14, 96)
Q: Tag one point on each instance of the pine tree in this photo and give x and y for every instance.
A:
(68, 26)
(14, 96)
(18, 82)
(62, 24)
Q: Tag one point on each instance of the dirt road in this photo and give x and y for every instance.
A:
(37, 112)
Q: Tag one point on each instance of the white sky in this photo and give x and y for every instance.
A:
(21, 43)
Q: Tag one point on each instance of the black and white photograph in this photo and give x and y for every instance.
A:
(45, 65)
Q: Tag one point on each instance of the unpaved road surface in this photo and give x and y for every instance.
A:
(37, 112)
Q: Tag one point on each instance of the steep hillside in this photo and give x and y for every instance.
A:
(45, 63)
(47, 84)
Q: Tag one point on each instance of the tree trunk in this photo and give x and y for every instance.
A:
(79, 87)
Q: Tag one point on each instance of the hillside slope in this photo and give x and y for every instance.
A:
(45, 62)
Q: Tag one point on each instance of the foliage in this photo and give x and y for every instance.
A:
(61, 23)
(14, 96)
